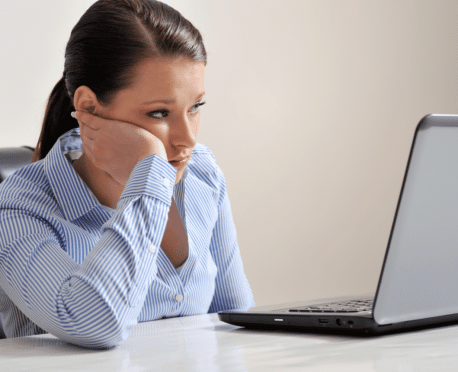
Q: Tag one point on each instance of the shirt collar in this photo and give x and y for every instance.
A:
(71, 192)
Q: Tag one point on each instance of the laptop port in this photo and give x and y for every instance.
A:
(323, 320)
(339, 322)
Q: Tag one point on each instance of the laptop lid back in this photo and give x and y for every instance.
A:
(420, 273)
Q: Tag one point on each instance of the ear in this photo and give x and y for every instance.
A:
(85, 99)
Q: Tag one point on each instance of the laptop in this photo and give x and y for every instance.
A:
(418, 284)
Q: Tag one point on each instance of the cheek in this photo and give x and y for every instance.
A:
(195, 132)
(161, 131)
(195, 127)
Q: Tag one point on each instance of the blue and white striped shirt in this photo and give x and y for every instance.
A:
(86, 273)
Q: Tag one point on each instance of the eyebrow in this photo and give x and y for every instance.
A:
(168, 101)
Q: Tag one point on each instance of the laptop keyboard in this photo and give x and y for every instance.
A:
(349, 306)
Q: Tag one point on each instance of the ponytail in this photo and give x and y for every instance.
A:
(57, 120)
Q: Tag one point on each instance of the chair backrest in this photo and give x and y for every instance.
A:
(13, 158)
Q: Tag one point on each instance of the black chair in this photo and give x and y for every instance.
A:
(13, 158)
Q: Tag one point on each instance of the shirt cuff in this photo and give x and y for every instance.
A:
(152, 176)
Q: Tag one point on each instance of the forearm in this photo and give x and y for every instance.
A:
(92, 304)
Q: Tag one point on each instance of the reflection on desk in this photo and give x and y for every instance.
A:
(203, 343)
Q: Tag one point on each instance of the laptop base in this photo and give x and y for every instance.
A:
(330, 323)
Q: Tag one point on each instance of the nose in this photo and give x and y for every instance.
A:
(184, 133)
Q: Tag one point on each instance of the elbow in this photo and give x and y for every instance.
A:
(102, 330)
(107, 341)
(98, 337)
(96, 325)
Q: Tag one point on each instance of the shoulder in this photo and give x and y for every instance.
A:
(203, 166)
(202, 151)
(203, 161)
(26, 188)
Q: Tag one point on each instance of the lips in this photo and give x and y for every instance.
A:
(180, 157)
(179, 161)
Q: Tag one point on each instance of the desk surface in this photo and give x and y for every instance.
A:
(203, 343)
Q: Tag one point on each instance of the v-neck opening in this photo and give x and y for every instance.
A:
(179, 198)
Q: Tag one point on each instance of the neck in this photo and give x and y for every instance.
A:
(106, 190)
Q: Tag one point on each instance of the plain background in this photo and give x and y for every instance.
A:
(311, 110)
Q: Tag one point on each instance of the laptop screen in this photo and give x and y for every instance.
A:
(420, 274)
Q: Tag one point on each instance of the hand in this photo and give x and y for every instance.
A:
(115, 147)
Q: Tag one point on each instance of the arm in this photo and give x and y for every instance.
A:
(232, 290)
(95, 303)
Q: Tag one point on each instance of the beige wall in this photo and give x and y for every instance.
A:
(311, 109)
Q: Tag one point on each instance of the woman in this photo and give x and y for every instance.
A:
(122, 217)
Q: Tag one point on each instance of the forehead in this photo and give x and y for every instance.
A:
(167, 78)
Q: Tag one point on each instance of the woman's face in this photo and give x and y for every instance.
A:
(164, 99)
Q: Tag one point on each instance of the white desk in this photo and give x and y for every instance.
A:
(203, 343)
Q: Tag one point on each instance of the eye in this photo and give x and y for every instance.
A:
(158, 114)
(161, 114)
(195, 108)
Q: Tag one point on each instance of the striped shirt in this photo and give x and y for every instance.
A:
(87, 273)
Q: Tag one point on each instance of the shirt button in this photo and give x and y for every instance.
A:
(166, 182)
(179, 297)
(152, 248)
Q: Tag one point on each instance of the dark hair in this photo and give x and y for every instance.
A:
(109, 39)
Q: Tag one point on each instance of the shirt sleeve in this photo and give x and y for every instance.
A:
(232, 290)
(93, 304)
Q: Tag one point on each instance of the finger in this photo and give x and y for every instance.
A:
(86, 132)
(92, 121)
(96, 122)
